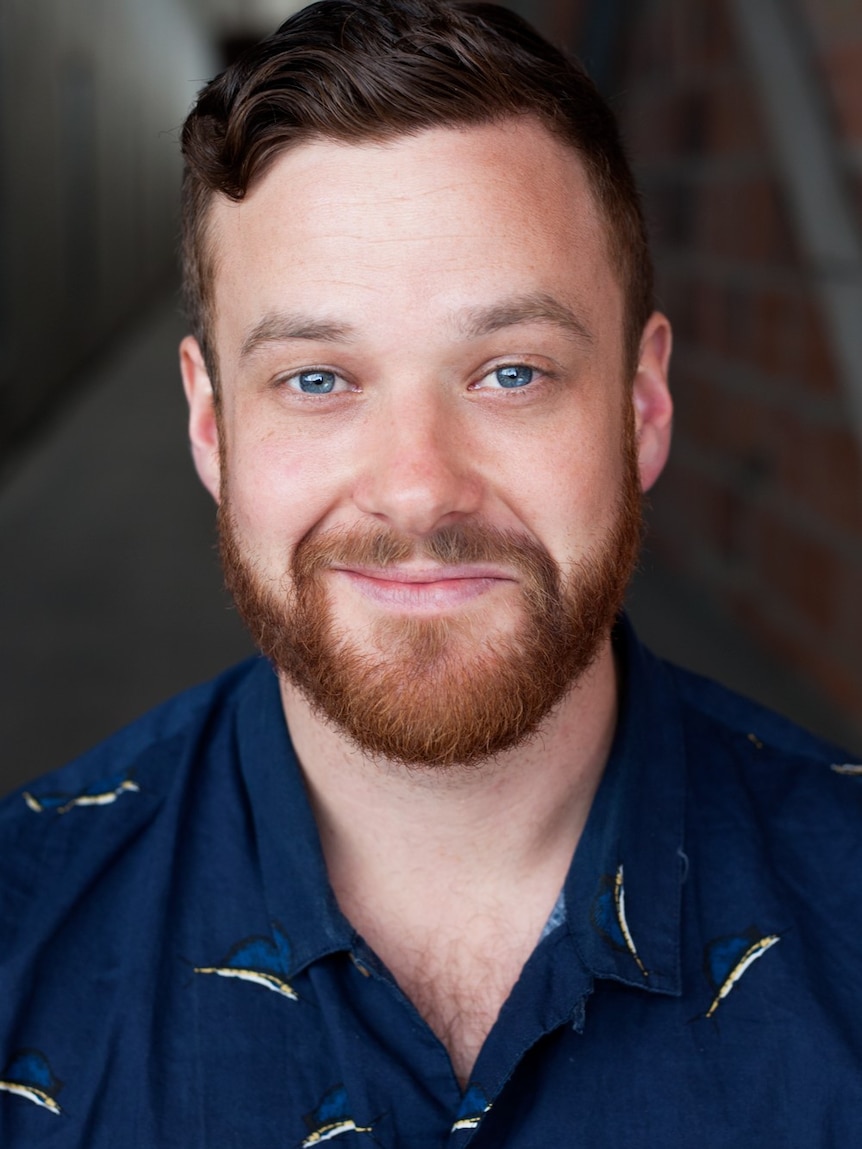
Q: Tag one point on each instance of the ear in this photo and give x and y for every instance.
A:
(652, 402)
(203, 425)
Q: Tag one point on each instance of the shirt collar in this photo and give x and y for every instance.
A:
(624, 888)
(623, 891)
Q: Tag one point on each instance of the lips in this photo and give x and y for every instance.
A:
(430, 574)
(423, 589)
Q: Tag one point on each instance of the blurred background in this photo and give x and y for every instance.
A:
(744, 122)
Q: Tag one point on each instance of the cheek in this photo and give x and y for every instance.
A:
(567, 485)
(277, 491)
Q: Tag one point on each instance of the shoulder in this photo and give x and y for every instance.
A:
(91, 778)
(765, 772)
(60, 830)
(709, 703)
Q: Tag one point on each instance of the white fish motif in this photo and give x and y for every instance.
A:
(620, 905)
(31, 1093)
(750, 955)
(95, 796)
(327, 1132)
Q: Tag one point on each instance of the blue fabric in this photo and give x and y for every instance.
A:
(175, 971)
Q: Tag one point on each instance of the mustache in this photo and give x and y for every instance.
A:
(455, 545)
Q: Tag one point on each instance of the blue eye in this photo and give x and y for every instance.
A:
(514, 376)
(316, 382)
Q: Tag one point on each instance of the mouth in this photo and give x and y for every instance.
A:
(426, 589)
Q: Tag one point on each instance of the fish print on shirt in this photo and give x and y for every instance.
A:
(102, 793)
(331, 1118)
(29, 1075)
(473, 1108)
(261, 960)
(727, 958)
(608, 916)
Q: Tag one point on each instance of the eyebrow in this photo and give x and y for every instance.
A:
(284, 326)
(537, 307)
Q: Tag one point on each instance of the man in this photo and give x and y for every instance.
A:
(471, 866)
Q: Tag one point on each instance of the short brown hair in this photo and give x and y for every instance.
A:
(373, 70)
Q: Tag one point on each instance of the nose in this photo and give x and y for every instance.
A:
(419, 470)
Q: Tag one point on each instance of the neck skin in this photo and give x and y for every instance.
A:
(450, 875)
(423, 846)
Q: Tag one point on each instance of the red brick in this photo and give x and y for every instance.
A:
(648, 51)
(724, 219)
(649, 125)
(700, 37)
(799, 571)
(717, 38)
(850, 605)
(696, 403)
(738, 427)
(770, 236)
(674, 294)
(675, 208)
(740, 321)
(735, 126)
(837, 680)
(668, 518)
(775, 335)
(821, 468)
(692, 121)
(841, 64)
(666, 544)
(709, 316)
(563, 20)
(830, 18)
(696, 520)
(676, 45)
(816, 363)
(745, 220)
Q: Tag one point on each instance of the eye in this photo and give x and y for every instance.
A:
(516, 376)
(315, 381)
(509, 377)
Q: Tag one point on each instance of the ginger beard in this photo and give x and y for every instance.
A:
(437, 692)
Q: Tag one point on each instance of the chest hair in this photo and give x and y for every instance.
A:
(457, 982)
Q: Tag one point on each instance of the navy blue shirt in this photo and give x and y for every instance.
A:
(175, 971)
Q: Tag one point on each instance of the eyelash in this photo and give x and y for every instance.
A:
(538, 375)
(284, 381)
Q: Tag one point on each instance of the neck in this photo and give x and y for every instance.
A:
(438, 869)
(483, 826)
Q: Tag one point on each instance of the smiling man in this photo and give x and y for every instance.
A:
(452, 500)
(458, 861)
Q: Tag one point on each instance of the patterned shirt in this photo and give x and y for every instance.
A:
(175, 970)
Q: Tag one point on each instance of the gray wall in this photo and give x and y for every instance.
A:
(92, 93)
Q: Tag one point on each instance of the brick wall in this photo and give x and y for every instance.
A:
(761, 505)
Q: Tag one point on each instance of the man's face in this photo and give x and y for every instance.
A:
(427, 454)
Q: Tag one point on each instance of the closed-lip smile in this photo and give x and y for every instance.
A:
(423, 588)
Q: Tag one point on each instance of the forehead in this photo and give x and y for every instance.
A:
(426, 224)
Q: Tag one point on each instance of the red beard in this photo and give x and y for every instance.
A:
(438, 691)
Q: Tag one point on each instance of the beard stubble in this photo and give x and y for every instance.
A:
(437, 692)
